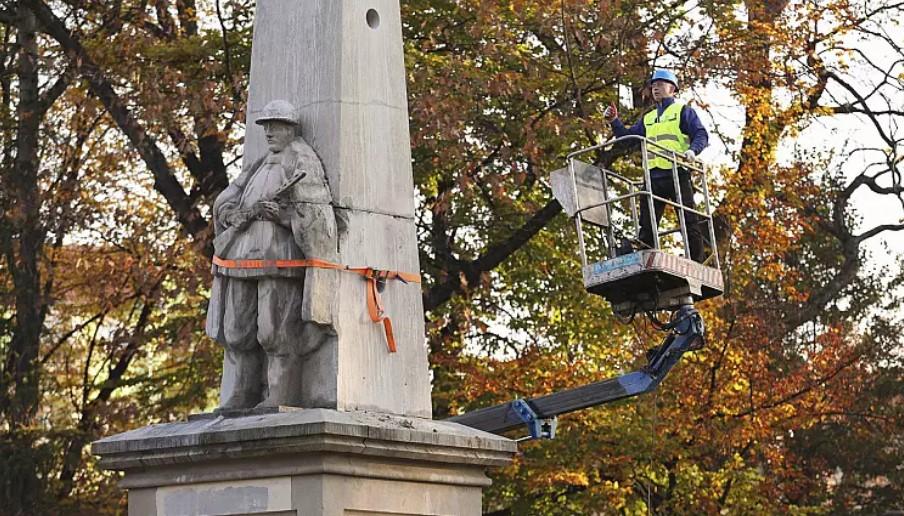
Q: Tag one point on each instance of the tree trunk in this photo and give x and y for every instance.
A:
(25, 248)
(762, 130)
(22, 246)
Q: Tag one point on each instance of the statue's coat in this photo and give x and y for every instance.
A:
(313, 226)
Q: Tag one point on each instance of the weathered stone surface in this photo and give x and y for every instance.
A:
(347, 80)
(315, 462)
(233, 413)
(142, 502)
(370, 378)
(242, 497)
(340, 63)
(302, 431)
(351, 496)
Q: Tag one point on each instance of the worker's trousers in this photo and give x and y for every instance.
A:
(664, 186)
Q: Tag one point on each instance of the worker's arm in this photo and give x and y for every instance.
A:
(619, 129)
(692, 126)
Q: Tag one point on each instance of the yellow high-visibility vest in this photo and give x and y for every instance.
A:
(665, 130)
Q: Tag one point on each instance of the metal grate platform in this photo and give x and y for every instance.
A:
(651, 280)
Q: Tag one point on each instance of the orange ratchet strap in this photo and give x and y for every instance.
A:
(373, 276)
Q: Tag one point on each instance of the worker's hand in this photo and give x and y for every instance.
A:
(611, 112)
(267, 210)
(690, 155)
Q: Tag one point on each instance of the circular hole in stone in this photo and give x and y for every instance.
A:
(373, 18)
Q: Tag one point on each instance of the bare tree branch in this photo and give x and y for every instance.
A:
(87, 425)
(165, 180)
(848, 109)
(877, 230)
(862, 101)
(227, 54)
(493, 256)
(62, 340)
(51, 94)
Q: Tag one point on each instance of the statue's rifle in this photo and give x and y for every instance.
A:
(225, 240)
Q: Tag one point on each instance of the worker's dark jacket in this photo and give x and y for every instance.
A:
(690, 125)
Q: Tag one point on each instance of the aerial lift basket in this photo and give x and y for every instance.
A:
(631, 275)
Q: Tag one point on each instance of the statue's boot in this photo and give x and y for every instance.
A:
(244, 384)
(283, 381)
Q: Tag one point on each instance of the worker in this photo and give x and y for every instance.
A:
(675, 126)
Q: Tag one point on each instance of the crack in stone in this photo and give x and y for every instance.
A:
(375, 212)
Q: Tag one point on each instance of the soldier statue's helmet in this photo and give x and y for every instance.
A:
(278, 110)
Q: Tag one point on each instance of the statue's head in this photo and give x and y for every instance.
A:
(279, 122)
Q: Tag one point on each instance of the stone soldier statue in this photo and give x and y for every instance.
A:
(270, 317)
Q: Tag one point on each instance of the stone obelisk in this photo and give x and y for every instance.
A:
(340, 63)
(363, 441)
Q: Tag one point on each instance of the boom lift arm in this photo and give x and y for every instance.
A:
(648, 279)
(685, 333)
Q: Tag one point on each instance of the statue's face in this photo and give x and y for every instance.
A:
(279, 135)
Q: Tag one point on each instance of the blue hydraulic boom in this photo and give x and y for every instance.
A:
(685, 333)
(633, 275)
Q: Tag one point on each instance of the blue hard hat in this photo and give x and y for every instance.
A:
(664, 75)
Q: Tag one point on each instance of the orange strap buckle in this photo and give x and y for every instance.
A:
(375, 278)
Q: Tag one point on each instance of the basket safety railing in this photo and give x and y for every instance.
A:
(641, 191)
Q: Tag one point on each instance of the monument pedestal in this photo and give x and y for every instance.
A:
(307, 462)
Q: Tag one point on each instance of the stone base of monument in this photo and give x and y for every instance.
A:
(304, 462)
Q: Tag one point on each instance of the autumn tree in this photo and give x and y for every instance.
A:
(784, 357)
(123, 120)
(108, 278)
(23, 235)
